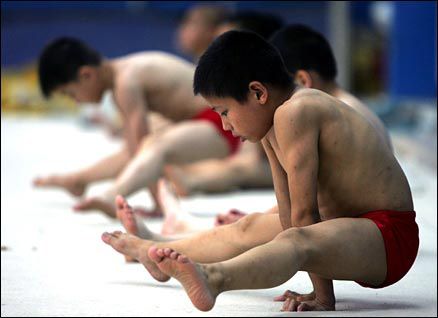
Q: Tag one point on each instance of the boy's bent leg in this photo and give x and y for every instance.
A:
(344, 248)
(218, 244)
(182, 143)
(75, 183)
(246, 168)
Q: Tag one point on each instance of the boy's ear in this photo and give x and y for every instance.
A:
(303, 78)
(258, 91)
(86, 72)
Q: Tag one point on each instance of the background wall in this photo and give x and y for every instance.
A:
(384, 47)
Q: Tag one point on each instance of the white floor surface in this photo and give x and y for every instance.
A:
(53, 262)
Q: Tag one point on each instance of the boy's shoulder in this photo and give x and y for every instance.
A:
(306, 102)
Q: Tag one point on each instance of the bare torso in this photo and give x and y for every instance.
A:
(355, 103)
(166, 81)
(357, 171)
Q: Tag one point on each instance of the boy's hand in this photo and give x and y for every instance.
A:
(311, 305)
(296, 296)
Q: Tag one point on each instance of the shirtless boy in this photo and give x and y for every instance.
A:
(310, 60)
(249, 167)
(140, 82)
(345, 208)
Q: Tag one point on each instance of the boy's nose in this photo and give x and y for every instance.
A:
(226, 125)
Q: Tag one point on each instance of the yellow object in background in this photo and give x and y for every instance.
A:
(20, 93)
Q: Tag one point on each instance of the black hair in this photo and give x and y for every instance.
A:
(233, 60)
(264, 24)
(60, 61)
(305, 49)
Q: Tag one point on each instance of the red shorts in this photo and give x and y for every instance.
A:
(400, 235)
(209, 115)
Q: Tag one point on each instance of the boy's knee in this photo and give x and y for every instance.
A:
(245, 224)
(294, 234)
(146, 142)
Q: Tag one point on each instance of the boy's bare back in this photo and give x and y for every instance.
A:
(161, 80)
(321, 143)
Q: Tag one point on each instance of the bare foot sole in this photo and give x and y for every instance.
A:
(96, 204)
(73, 187)
(176, 177)
(232, 216)
(133, 247)
(189, 274)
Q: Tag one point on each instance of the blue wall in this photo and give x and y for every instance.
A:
(412, 56)
(119, 27)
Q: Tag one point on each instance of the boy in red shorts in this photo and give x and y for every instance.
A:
(140, 82)
(345, 208)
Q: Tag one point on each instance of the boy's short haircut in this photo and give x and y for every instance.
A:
(233, 60)
(60, 61)
(305, 49)
(264, 24)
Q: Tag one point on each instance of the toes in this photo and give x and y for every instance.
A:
(160, 252)
(106, 237)
(167, 251)
(220, 220)
(174, 255)
(182, 258)
(154, 254)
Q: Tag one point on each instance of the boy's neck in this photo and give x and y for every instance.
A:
(328, 87)
(284, 94)
(107, 73)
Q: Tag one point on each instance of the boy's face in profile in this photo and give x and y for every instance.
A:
(85, 89)
(194, 33)
(248, 120)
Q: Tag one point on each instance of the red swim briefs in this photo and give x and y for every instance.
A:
(400, 235)
(209, 115)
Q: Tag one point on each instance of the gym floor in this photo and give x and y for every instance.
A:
(53, 262)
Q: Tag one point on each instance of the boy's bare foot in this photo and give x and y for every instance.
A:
(175, 220)
(96, 203)
(131, 222)
(148, 214)
(232, 216)
(136, 248)
(70, 184)
(177, 177)
(189, 274)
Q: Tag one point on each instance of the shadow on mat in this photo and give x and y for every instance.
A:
(356, 304)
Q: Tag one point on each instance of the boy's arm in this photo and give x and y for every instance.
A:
(280, 181)
(297, 131)
(133, 107)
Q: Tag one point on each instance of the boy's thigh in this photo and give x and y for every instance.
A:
(193, 140)
(346, 249)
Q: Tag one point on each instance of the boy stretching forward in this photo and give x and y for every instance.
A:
(344, 204)
(141, 82)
